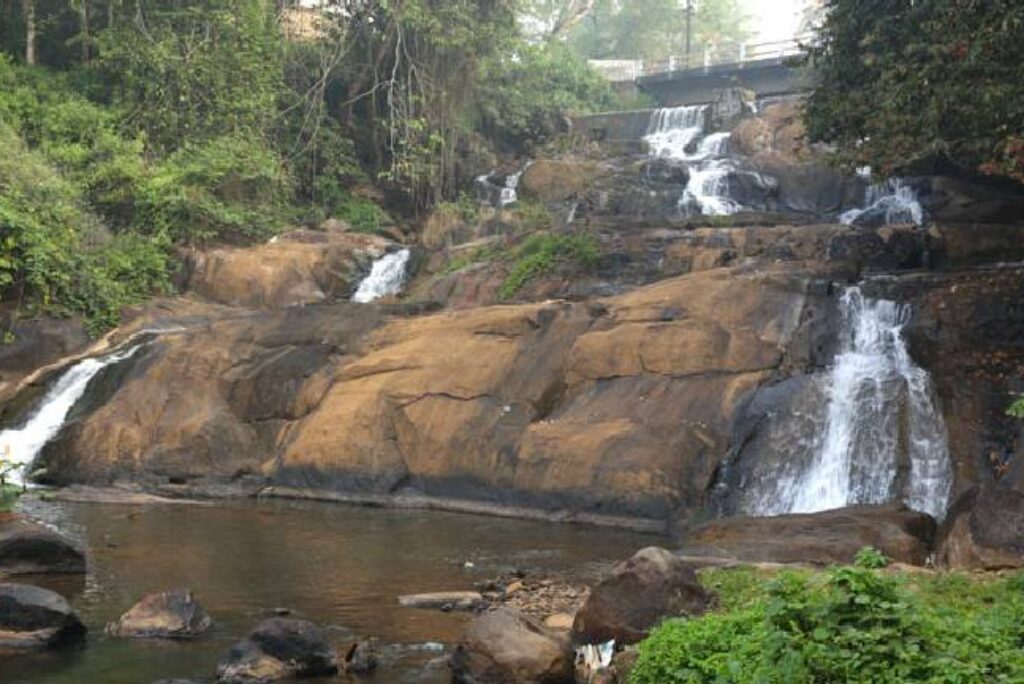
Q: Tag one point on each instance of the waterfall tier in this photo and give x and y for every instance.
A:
(387, 277)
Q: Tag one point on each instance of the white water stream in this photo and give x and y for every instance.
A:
(879, 417)
(894, 199)
(20, 446)
(387, 277)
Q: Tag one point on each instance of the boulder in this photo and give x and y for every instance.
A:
(279, 648)
(506, 647)
(171, 614)
(821, 538)
(984, 530)
(34, 618)
(637, 595)
(552, 180)
(360, 658)
(445, 600)
(27, 548)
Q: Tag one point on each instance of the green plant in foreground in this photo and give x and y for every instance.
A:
(849, 624)
(871, 558)
(540, 254)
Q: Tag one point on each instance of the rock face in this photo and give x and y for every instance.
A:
(831, 537)
(505, 647)
(27, 548)
(638, 594)
(171, 614)
(300, 267)
(279, 648)
(35, 343)
(984, 530)
(34, 618)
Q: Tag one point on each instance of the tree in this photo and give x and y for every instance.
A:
(921, 84)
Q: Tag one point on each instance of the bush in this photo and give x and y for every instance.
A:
(363, 215)
(229, 189)
(848, 625)
(542, 253)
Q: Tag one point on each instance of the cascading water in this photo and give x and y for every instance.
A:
(510, 192)
(881, 437)
(21, 446)
(387, 277)
(679, 134)
(894, 201)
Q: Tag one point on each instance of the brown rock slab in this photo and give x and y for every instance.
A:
(447, 600)
(819, 538)
(32, 618)
(984, 530)
(171, 614)
(506, 647)
(637, 595)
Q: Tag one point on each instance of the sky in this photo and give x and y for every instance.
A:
(774, 19)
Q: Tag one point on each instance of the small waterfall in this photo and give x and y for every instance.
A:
(387, 277)
(22, 445)
(893, 200)
(673, 131)
(499, 191)
(510, 192)
(879, 415)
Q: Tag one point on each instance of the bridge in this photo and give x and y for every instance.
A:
(765, 68)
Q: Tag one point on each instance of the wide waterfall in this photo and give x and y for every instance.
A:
(387, 277)
(20, 446)
(879, 436)
(680, 134)
(893, 201)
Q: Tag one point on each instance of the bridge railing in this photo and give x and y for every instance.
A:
(736, 55)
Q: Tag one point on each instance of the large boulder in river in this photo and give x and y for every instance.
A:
(171, 614)
(638, 594)
(27, 548)
(506, 647)
(34, 618)
(822, 538)
(279, 648)
(984, 530)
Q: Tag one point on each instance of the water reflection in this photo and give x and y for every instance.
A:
(342, 567)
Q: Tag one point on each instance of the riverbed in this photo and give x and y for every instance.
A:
(342, 567)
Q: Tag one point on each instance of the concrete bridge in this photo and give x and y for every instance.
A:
(765, 68)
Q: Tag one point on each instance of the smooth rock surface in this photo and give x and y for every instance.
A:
(27, 548)
(32, 618)
(447, 600)
(171, 614)
(279, 648)
(637, 595)
(821, 538)
(506, 647)
(984, 530)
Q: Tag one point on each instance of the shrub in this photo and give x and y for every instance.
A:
(542, 253)
(847, 625)
(870, 558)
(363, 215)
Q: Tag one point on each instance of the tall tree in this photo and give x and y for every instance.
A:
(28, 10)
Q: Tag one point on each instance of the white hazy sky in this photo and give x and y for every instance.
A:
(774, 19)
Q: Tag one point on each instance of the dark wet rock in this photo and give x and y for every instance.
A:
(34, 618)
(822, 538)
(947, 198)
(877, 247)
(27, 548)
(34, 344)
(506, 647)
(279, 648)
(984, 530)
(169, 614)
(637, 595)
(361, 658)
(664, 170)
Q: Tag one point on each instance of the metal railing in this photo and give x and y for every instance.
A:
(736, 55)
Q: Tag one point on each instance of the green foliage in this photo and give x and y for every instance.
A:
(466, 208)
(228, 189)
(363, 215)
(870, 558)
(529, 92)
(905, 84)
(1016, 408)
(847, 625)
(542, 253)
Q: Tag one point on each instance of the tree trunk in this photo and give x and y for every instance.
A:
(28, 8)
(85, 37)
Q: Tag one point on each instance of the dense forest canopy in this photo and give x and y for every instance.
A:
(921, 84)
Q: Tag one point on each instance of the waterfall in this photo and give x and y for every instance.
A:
(879, 415)
(510, 192)
(894, 200)
(21, 445)
(387, 277)
(678, 134)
